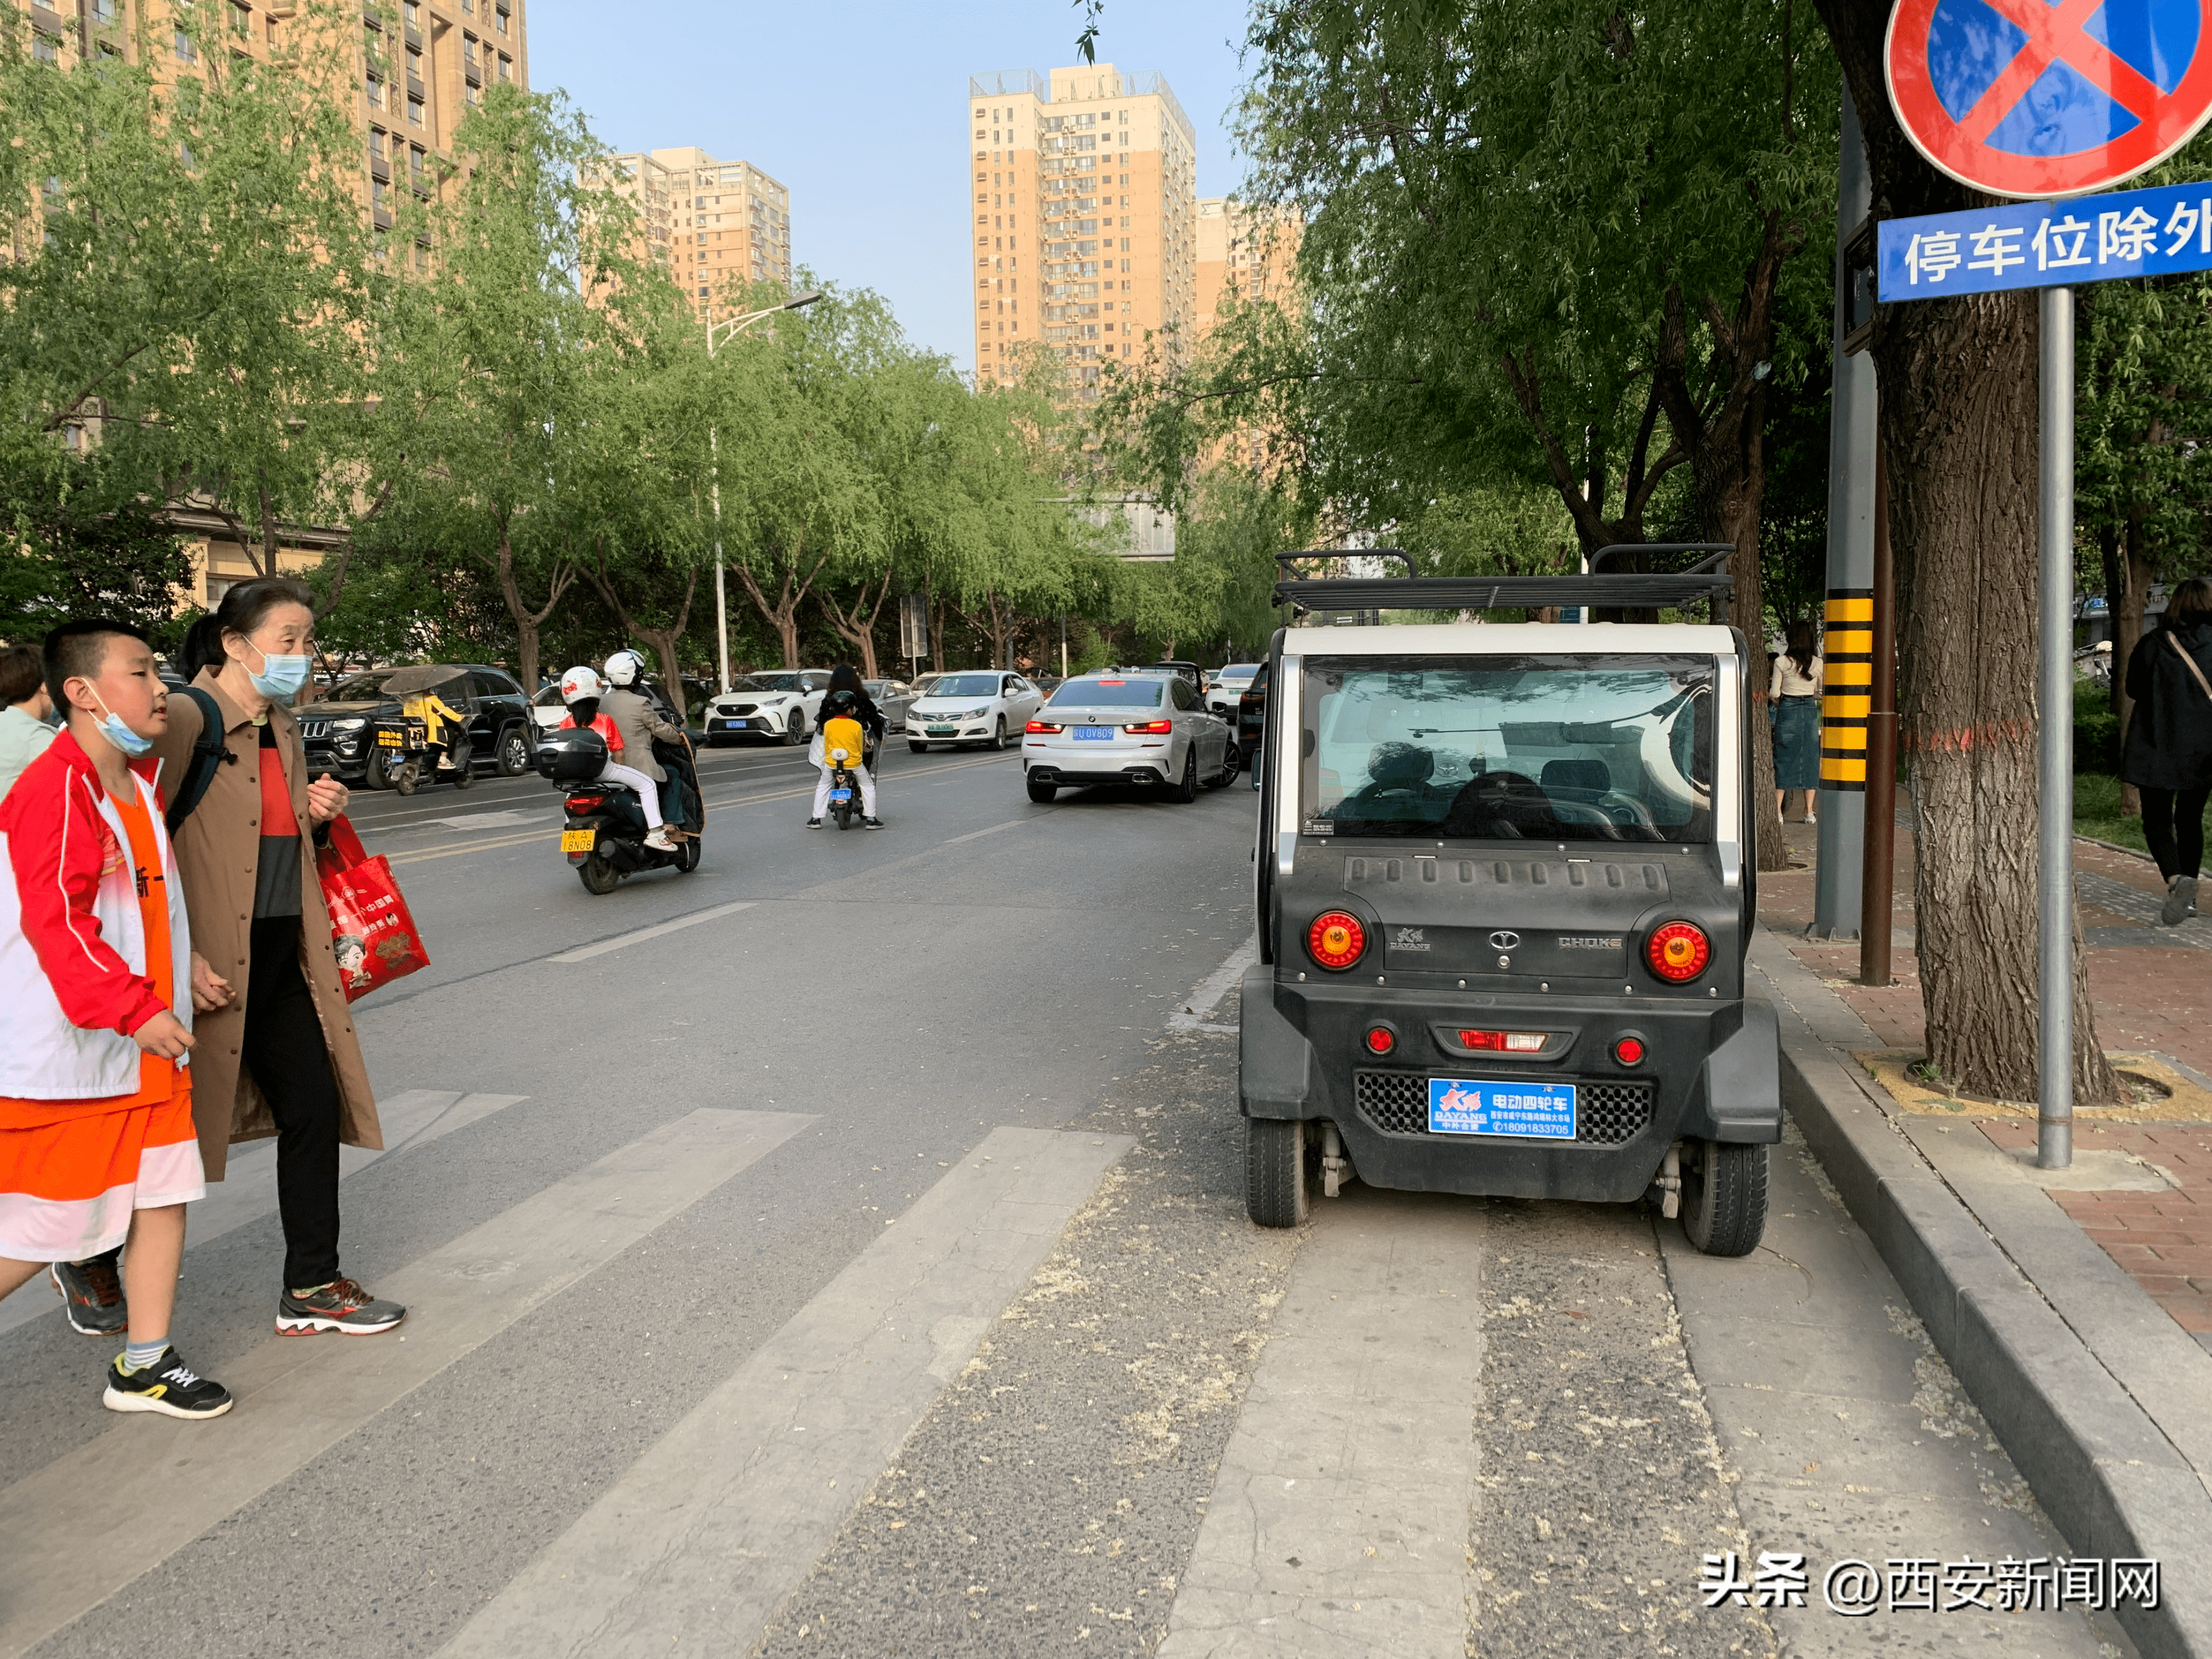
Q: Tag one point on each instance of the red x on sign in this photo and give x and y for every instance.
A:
(2026, 98)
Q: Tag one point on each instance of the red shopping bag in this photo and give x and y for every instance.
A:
(371, 928)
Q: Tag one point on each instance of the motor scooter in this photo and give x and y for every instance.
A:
(603, 835)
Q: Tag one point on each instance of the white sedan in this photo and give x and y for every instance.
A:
(977, 706)
(1124, 727)
(781, 703)
(1226, 686)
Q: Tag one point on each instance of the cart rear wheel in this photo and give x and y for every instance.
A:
(1724, 1196)
(597, 875)
(407, 777)
(464, 776)
(1275, 1171)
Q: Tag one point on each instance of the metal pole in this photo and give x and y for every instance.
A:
(1837, 890)
(721, 592)
(2054, 1115)
(1879, 854)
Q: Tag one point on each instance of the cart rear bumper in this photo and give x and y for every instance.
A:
(1711, 1072)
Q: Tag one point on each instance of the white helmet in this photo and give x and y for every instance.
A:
(623, 668)
(579, 683)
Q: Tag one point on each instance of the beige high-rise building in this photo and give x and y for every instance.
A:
(1085, 219)
(1250, 250)
(415, 68)
(715, 227)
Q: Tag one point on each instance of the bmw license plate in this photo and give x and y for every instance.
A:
(1094, 733)
(579, 841)
(839, 796)
(1536, 1111)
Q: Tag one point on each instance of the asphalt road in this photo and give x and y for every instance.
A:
(837, 1250)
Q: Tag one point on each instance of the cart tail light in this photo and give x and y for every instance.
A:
(1151, 726)
(1336, 939)
(1381, 1040)
(1042, 725)
(1628, 1051)
(1504, 1043)
(1678, 952)
(581, 804)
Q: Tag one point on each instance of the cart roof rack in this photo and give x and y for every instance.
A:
(1705, 579)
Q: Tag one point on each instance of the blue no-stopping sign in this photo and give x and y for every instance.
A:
(2090, 238)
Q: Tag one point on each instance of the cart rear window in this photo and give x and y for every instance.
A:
(1551, 748)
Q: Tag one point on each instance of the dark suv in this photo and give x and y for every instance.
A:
(1503, 901)
(339, 730)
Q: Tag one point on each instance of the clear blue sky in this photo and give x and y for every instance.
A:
(859, 108)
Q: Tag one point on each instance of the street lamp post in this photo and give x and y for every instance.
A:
(728, 329)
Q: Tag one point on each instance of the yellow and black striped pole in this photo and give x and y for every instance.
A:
(1846, 688)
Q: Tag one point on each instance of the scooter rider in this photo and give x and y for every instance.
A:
(847, 705)
(582, 690)
(635, 717)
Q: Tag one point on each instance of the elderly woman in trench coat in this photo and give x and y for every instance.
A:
(278, 1054)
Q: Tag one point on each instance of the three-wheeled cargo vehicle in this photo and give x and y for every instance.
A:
(1504, 896)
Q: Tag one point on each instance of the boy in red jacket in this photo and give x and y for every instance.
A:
(97, 1147)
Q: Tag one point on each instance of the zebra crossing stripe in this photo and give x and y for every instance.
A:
(90, 1523)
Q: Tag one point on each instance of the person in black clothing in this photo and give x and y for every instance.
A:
(2167, 755)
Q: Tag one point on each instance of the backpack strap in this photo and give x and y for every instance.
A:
(210, 749)
(2190, 662)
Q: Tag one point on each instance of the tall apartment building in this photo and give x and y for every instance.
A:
(713, 226)
(1086, 219)
(418, 65)
(1251, 252)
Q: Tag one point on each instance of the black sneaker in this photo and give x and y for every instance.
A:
(814, 823)
(92, 1295)
(872, 824)
(166, 1386)
(341, 1306)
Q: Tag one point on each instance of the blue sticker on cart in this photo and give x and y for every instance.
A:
(1538, 1111)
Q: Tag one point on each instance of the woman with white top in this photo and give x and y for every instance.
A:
(1796, 695)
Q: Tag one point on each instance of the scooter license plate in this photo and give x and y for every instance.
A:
(840, 796)
(579, 841)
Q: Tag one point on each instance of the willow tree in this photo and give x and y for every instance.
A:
(1957, 378)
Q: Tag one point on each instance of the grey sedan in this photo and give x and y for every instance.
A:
(1150, 730)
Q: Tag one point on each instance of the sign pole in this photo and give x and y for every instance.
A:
(2054, 1124)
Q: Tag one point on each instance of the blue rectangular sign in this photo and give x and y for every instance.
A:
(2088, 239)
(1462, 1106)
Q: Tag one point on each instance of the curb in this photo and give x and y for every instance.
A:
(2101, 1468)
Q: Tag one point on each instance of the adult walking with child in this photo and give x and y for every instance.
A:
(97, 1144)
(2167, 753)
(278, 1054)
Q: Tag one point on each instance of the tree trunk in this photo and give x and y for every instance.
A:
(2127, 618)
(527, 621)
(782, 612)
(1958, 413)
(1957, 379)
(858, 625)
(667, 641)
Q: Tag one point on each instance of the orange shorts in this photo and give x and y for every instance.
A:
(68, 1187)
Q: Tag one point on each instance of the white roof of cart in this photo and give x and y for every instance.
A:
(1513, 639)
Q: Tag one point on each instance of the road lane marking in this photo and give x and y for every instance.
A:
(1215, 986)
(586, 953)
(248, 1189)
(1338, 1524)
(90, 1523)
(692, 1550)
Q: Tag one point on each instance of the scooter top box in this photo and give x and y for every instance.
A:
(575, 756)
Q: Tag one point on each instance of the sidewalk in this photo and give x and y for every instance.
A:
(2072, 1305)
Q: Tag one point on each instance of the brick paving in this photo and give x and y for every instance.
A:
(2164, 1240)
(2148, 997)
